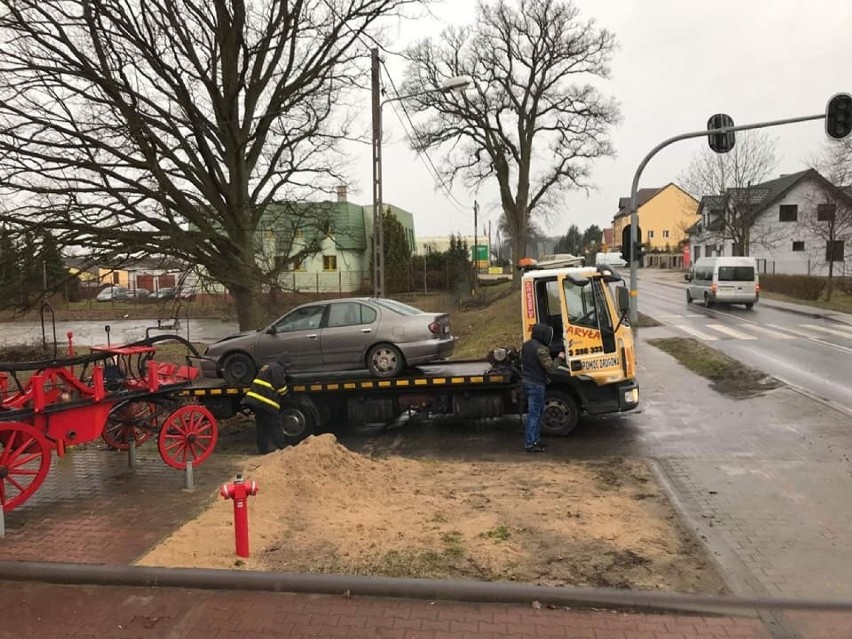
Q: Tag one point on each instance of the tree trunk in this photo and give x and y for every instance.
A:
(519, 250)
(249, 314)
(829, 286)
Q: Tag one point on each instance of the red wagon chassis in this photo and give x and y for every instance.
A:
(120, 393)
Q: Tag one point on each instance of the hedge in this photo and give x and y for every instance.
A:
(803, 287)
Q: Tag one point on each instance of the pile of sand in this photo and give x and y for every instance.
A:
(324, 508)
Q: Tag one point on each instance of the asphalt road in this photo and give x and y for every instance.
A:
(811, 353)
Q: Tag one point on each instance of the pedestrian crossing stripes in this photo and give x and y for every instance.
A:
(745, 332)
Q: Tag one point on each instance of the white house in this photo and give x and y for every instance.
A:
(800, 221)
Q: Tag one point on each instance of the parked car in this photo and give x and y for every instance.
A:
(610, 259)
(136, 294)
(166, 293)
(112, 294)
(384, 336)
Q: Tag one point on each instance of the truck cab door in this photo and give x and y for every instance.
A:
(588, 322)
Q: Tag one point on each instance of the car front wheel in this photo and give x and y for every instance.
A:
(385, 360)
(239, 369)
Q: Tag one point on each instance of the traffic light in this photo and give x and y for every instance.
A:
(638, 252)
(721, 142)
(838, 116)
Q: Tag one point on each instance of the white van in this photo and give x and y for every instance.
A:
(610, 259)
(729, 280)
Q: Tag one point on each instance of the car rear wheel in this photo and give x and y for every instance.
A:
(239, 369)
(749, 305)
(688, 297)
(385, 360)
(707, 301)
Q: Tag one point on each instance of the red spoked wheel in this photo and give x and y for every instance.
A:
(129, 421)
(188, 434)
(24, 462)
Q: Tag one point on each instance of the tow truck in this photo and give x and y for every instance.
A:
(587, 308)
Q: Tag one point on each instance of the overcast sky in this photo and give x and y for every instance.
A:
(678, 63)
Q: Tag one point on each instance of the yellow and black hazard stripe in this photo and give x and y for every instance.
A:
(410, 383)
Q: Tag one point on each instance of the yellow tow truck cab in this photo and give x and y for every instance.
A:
(587, 308)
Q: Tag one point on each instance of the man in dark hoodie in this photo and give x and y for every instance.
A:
(536, 363)
(264, 400)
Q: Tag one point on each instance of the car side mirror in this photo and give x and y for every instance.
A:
(623, 295)
(272, 330)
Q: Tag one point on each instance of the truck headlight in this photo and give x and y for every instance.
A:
(631, 396)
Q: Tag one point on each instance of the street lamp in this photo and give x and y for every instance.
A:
(457, 83)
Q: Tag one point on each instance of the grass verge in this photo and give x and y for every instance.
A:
(727, 375)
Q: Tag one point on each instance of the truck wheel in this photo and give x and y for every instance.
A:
(385, 360)
(749, 306)
(239, 369)
(707, 301)
(298, 421)
(560, 414)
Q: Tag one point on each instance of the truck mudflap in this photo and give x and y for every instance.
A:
(613, 398)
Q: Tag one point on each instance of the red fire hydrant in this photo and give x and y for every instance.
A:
(240, 491)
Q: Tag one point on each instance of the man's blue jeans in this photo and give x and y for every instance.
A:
(535, 400)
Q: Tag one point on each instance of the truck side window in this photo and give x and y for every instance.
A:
(581, 304)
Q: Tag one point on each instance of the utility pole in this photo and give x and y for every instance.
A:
(378, 221)
(475, 265)
(489, 243)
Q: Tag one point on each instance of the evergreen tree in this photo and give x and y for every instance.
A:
(10, 271)
(397, 254)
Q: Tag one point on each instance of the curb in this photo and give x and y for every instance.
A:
(390, 587)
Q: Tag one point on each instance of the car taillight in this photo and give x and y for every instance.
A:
(435, 328)
(713, 288)
(757, 288)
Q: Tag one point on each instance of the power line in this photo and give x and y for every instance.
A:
(424, 155)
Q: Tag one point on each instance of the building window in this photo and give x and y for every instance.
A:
(329, 262)
(825, 212)
(708, 250)
(650, 235)
(798, 246)
(665, 235)
(697, 252)
(834, 251)
(789, 213)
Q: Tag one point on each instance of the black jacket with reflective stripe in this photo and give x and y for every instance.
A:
(267, 389)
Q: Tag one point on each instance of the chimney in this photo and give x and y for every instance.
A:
(342, 193)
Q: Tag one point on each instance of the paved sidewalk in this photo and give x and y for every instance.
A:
(36, 610)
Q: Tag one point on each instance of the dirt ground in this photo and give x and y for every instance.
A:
(323, 508)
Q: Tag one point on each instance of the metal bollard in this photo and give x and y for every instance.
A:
(2, 522)
(189, 479)
(131, 455)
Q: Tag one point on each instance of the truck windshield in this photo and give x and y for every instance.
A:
(586, 304)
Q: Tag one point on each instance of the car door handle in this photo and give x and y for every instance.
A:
(366, 330)
(311, 336)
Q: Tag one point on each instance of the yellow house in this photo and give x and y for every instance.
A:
(664, 216)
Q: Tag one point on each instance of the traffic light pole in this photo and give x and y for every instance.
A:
(633, 313)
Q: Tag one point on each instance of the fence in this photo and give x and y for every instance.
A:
(409, 279)
(801, 267)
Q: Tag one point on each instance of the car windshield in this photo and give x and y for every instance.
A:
(399, 307)
(736, 273)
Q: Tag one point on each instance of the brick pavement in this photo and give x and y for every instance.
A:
(93, 509)
(47, 611)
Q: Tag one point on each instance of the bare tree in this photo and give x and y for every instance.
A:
(171, 126)
(828, 215)
(735, 178)
(534, 121)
